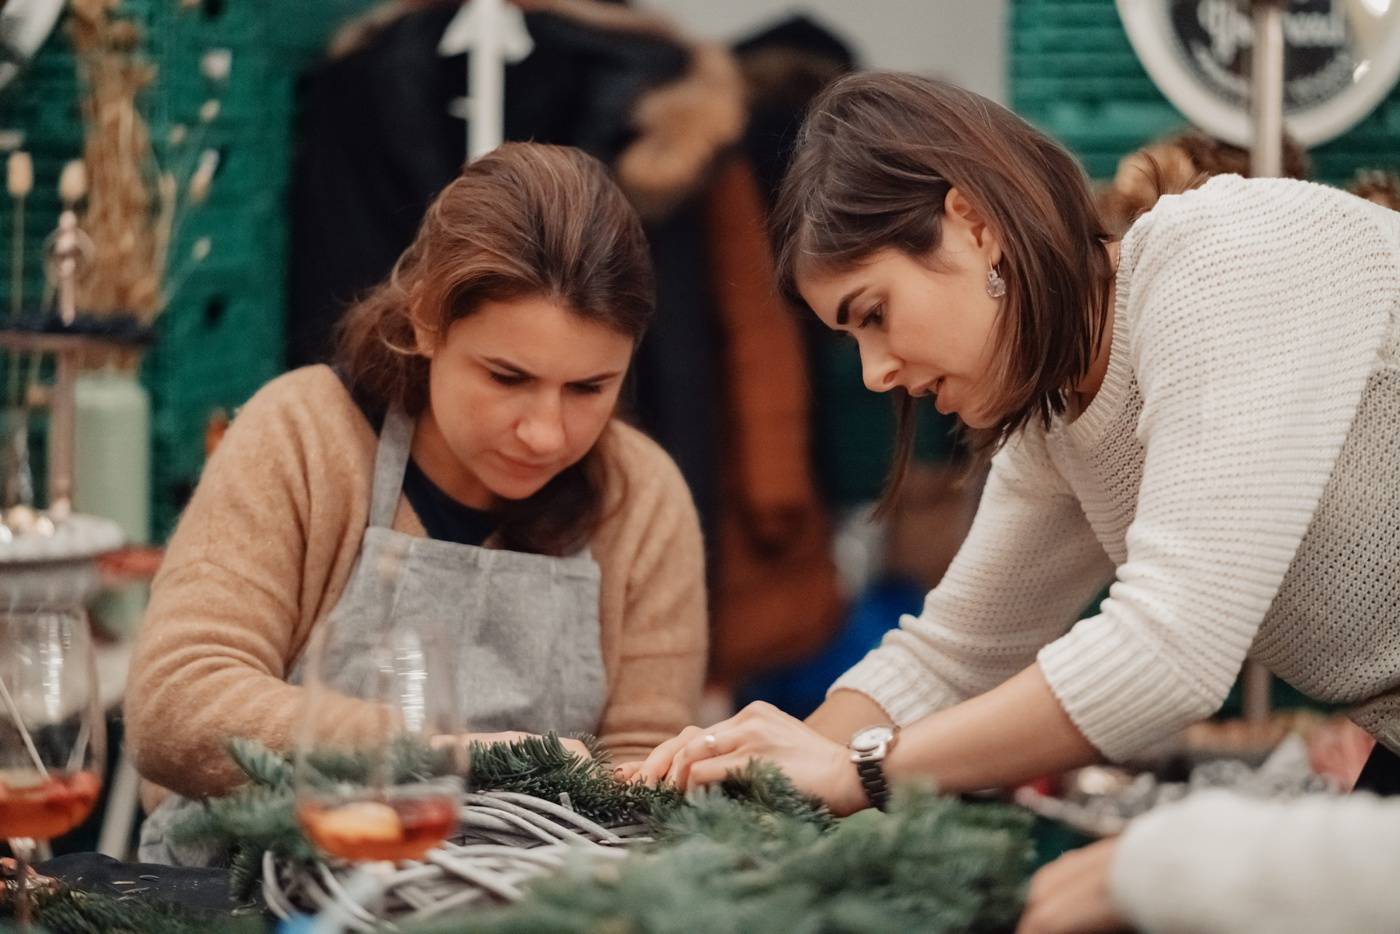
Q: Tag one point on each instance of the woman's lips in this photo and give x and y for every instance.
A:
(523, 467)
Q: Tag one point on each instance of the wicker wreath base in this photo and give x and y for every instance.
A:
(503, 841)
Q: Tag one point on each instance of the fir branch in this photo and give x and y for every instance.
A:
(239, 828)
(245, 872)
(595, 748)
(932, 864)
(542, 766)
(529, 757)
(70, 911)
(762, 786)
(263, 766)
(254, 816)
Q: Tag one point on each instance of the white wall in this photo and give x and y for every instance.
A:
(960, 40)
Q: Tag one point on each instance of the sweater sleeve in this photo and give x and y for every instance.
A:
(655, 689)
(1223, 863)
(1029, 566)
(225, 610)
(1251, 353)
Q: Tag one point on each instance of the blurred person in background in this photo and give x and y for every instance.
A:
(1175, 163)
(1220, 863)
(1377, 186)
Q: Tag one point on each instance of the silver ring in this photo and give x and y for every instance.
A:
(712, 743)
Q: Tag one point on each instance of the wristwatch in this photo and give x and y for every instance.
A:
(869, 746)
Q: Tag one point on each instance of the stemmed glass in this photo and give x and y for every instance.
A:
(52, 732)
(392, 794)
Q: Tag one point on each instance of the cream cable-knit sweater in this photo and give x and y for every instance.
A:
(1237, 477)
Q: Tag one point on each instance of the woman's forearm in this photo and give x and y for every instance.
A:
(1013, 733)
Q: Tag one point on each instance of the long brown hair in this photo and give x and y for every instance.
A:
(525, 220)
(875, 158)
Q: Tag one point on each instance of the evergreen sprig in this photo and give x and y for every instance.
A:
(237, 829)
(542, 766)
(932, 864)
(262, 766)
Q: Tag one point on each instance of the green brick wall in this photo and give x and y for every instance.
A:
(1073, 73)
(220, 338)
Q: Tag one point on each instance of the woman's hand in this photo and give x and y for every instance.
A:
(627, 771)
(815, 764)
(1071, 895)
(1338, 750)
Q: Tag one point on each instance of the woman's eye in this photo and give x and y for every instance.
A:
(874, 317)
(588, 389)
(507, 379)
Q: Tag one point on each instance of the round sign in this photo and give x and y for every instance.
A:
(1341, 58)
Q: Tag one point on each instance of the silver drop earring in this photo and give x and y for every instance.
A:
(996, 285)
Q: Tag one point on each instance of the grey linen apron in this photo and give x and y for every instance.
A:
(526, 628)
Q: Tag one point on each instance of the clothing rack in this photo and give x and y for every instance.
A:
(483, 29)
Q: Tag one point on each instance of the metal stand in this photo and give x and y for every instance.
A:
(1265, 161)
(1266, 104)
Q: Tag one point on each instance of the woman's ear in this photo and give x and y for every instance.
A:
(964, 217)
(425, 339)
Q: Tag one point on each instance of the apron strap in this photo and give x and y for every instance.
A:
(390, 461)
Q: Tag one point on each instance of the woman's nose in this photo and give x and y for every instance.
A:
(542, 428)
(879, 370)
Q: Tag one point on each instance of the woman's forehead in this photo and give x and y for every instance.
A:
(850, 271)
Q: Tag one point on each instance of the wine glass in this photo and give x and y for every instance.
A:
(52, 732)
(392, 795)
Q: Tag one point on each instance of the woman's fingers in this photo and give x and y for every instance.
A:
(509, 736)
(657, 764)
(1072, 895)
(708, 771)
(578, 748)
(719, 740)
(1048, 878)
(661, 764)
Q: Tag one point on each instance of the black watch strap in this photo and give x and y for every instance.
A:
(872, 779)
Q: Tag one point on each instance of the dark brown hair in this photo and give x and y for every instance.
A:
(873, 164)
(525, 220)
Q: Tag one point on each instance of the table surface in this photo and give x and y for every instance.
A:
(202, 890)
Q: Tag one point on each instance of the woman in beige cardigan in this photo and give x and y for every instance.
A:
(466, 441)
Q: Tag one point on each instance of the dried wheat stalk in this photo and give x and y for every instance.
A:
(127, 214)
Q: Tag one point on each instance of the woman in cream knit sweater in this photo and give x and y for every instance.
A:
(466, 442)
(1203, 416)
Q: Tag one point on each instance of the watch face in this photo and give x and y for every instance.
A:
(871, 738)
